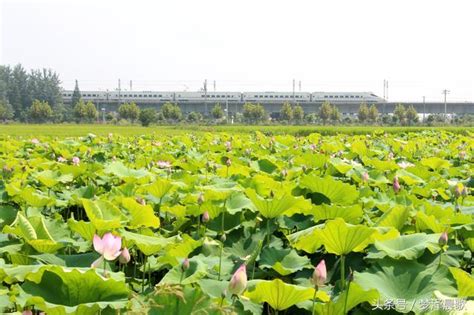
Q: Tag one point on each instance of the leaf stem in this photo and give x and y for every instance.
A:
(144, 272)
(343, 277)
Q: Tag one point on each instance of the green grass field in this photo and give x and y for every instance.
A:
(73, 130)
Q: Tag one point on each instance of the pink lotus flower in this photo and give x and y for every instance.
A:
(365, 177)
(124, 257)
(396, 185)
(205, 217)
(108, 247)
(164, 164)
(76, 161)
(405, 164)
(61, 159)
(27, 312)
(228, 162)
(228, 146)
(200, 199)
(320, 274)
(35, 141)
(238, 282)
(443, 239)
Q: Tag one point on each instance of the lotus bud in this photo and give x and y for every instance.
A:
(390, 156)
(284, 173)
(238, 282)
(320, 274)
(443, 239)
(396, 185)
(223, 238)
(457, 191)
(124, 257)
(312, 147)
(200, 199)
(205, 217)
(61, 159)
(185, 265)
(76, 161)
(228, 146)
(365, 177)
(248, 151)
(35, 141)
(464, 192)
(228, 162)
(27, 312)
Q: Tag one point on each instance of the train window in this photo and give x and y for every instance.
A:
(159, 95)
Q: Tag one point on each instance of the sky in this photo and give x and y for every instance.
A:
(421, 47)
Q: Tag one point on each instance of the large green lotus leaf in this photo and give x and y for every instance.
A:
(85, 229)
(350, 214)
(283, 261)
(176, 251)
(428, 223)
(149, 245)
(470, 243)
(141, 215)
(334, 191)
(35, 199)
(16, 273)
(7, 215)
(51, 179)
(59, 291)
(264, 165)
(467, 309)
(395, 217)
(360, 148)
(406, 246)
(196, 271)
(341, 238)
(435, 163)
(280, 295)
(74, 170)
(341, 166)
(45, 246)
(180, 300)
(103, 214)
(308, 240)
(125, 173)
(272, 208)
(381, 165)
(237, 202)
(464, 282)
(409, 178)
(311, 160)
(159, 188)
(406, 280)
(336, 306)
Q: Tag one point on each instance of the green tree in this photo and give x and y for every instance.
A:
(298, 113)
(171, 111)
(40, 111)
(400, 113)
(411, 115)
(91, 112)
(129, 111)
(325, 111)
(194, 117)
(254, 113)
(363, 113)
(373, 113)
(147, 116)
(335, 114)
(6, 111)
(217, 111)
(286, 113)
(80, 111)
(76, 96)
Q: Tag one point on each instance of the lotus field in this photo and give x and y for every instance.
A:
(231, 223)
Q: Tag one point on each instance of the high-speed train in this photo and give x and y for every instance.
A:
(255, 97)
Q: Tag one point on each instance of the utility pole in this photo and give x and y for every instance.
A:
(384, 89)
(299, 85)
(445, 92)
(205, 97)
(214, 85)
(294, 99)
(130, 85)
(424, 109)
(119, 91)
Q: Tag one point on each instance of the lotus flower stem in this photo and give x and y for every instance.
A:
(220, 261)
(343, 277)
(268, 231)
(144, 272)
(347, 295)
(314, 298)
